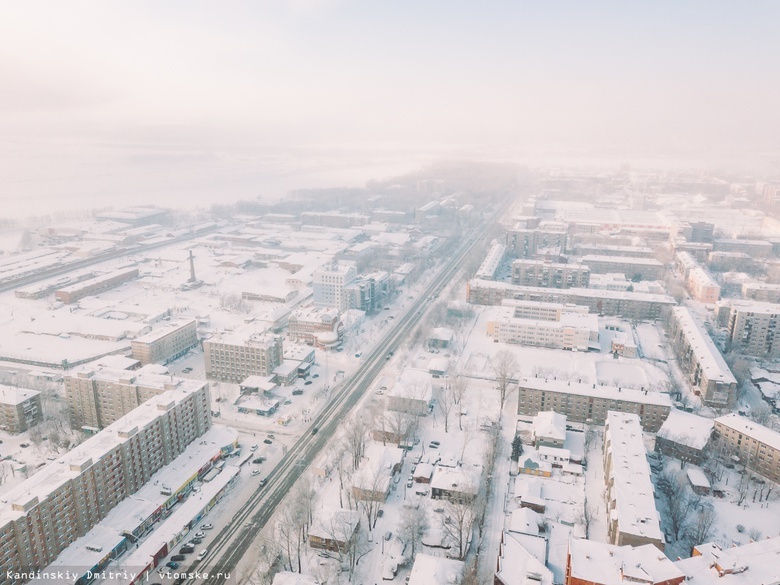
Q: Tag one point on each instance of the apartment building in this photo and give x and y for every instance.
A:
(757, 446)
(329, 286)
(20, 409)
(752, 326)
(633, 518)
(754, 248)
(699, 250)
(761, 291)
(311, 324)
(747, 564)
(93, 286)
(235, 356)
(632, 267)
(334, 219)
(684, 262)
(166, 343)
(696, 231)
(629, 305)
(601, 250)
(702, 287)
(591, 403)
(490, 265)
(700, 359)
(540, 273)
(98, 397)
(46, 513)
(596, 563)
(569, 330)
(529, 241)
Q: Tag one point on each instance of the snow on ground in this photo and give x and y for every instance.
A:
(651, 341)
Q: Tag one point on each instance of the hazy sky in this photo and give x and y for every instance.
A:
(206, 77)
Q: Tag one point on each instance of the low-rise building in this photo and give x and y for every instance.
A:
(754, 248)
(549, 429)
(71, 294)
(633, 268)
(590, 403)
(492, 262)
(684, 436)
(633, 518)
(430, 570)
(312, 324)
(595, 563)
(573, 331)
(334, 529)
(20, 409)
(166, 343)
(701, 360)
(761, 291)
(457, 484)
(746, 564)
(757, 446)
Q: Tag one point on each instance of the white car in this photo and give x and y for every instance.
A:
(200, 535)
(207, 527)
(202, 554)
(255, 472)
(254, 448)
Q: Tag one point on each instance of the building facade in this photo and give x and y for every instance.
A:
(591, 403)
(634, 268)
(539, 273)
(165, 344)
(752, 326)
(46, 513)
(329, 286)
(701, 360)
(93, 286)
(20, 409)
(757, 446)
(235, 357)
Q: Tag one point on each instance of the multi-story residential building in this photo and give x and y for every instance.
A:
(570, 330)
(752, 327)
(684, 436)
(696, 231)
(590, 403)
(613, 251)
(702, 286)
(20, 409)
(761, 291)
(629, 305)
(93, 286)
(490, 265)
(98, 397)
(166, 343)
(367, 292)
(529, 241)
(634, 268)
(757, 446)
(632, 515)
(699, 250)
(684, 262)
(725, 261)
(701, 360)
(595, 563)
(46, 513)
(755, 248)
(311, 324)
(235, 356)
(329, 286)
(746, 564)
(540, 273)
(334, 219)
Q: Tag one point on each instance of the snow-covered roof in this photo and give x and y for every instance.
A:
(462, 480)
(749, 564)
(287, 368)
(167, 329)
(597, 562)
(288, 578)
(525, 521)
(518, 566)
(334, 523)
(609, 392)
(621, 260)
(430, 570)
(752, 429)
(550, 424)
(686, 429)
(632, 490)
(697, 478)
(707, 354)
(442, 334)
(13, 396)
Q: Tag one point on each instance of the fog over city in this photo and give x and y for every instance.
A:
(339, 292)
(195, 102)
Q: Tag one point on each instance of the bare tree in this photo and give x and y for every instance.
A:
(457, 523)
(505, 367)
(412, 526)
(701, 530)
(355, 439)
(370, 492)
(290, 529)
(458, 387)
(586, 516)
(445, 403)
(677, 493)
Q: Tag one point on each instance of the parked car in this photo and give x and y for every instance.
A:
(410, 482)
(196, 541)
(380, 513)
(388, 535)
(315, 375)
(307, 383)
(200, 535)
(433, 445)
(255, 472)
(206, 526)
(202, 554)
(258, 460)
(297, 392)
(268, 441)
(186, 549)
(172, 565)
(254, 448)
(178, 558)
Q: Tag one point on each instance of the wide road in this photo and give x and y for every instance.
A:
(230, 545)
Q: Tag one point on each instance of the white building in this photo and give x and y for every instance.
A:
(575, 331)
(329, 283)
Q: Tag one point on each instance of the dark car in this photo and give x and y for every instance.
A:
(297, 392)
(314, 430)
(267, 441)
(178, 558)
(196, 540)
(315, 375)
(258, 459)
(186, 549)
(172, 565)
(307, 383)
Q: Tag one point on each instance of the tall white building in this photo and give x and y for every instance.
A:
(329, 284)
